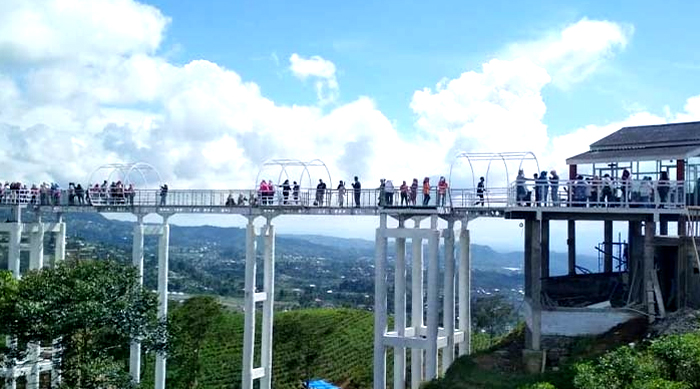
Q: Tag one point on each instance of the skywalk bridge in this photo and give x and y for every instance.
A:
(429, 331)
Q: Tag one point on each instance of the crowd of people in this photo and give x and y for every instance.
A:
(115, 193)
(593, 191)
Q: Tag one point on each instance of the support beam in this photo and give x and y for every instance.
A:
(380, 301)
(268, 304)
(400, 310)
(533, 272)
(448, 309)
(137, 261)
(431, 353)
(649, 251)
(465, 323)
(608, 247)
(249, 330)
(60, 249)
(544, 248)
(571, 243)
(13, 256)
(417, 306)
(163, 250)
(36, 246)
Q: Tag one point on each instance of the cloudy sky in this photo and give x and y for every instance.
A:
(207, 91)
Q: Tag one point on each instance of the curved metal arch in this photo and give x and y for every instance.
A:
(125, 170)
(471, 167)
(520, 166)
(503, 156)
(284, 163)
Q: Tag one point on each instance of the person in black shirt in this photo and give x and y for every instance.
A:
(357, 189)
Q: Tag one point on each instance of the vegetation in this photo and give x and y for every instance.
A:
(92, 309)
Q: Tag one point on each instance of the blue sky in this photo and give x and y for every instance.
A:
(389, 49)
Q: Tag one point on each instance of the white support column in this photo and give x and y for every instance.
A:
(417, 307)
(380, 304)
(60, 251)
(137, 257)
(433, 301)
(13, 261)
(163, 248)
(36, 261)
(268, 304)
(465, 324)
(448, 309)
(400, 310)
(249, 330)
(36, 247)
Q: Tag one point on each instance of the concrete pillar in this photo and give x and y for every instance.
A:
(544, 248)
(533, 272)
(380, 301)
(448, 309)
(268, 304)
(571, 243)
(417, 308)
(249, 330)
(608, 247)
(137, 261)
(60, 249)
(431, 353)
(400, 310)
(648, 268)
(163, 248)
(36, 246)
(465, 316)
(13, 256)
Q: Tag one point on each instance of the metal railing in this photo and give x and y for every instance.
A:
(568, 193)
(599, 193)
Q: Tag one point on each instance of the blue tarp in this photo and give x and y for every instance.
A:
(321, 384)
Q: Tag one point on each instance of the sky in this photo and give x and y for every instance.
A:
(207, 91)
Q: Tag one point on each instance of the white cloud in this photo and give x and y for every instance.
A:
(322, 70)
(574, 53)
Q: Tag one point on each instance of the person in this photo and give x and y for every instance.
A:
(270, 192)
(414, 191)
(320, 192)
(441, 191)
(382, 196)
(80, 192)
(295, 192)
(426, 191)
(520, 189)
(607, 196)
(71, 193)
(389, 192)
(403, 189)
(646, 191)
(163, 194)
(357, 190)
(480, 192)
(341, 194)
(554, 186)
(625, 181)
(541, 183)
(285, 191)
(262, 192)
(579, 196)
(241, 200)
(130, 193)
(663, 188)
(230, 202)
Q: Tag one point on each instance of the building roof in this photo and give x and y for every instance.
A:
(645, 143)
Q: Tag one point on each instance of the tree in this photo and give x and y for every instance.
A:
(190, 323)
(493, 314)
(94, 309)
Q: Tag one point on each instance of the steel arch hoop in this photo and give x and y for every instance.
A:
(125, 169)
(471, 167)
(533, 157)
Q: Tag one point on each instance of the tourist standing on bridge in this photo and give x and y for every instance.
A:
(426, 191)
(554, 186)
(295, 193)
(320, 192)
(625, 181)
(357, 190)
(80, 192)
(341, 194)
(163, 194)
(607, 197)
(382, 196)
(404, 193)
(130, 193)
(543, 188)
(414, 191)
(262, 192)
(441, 191)
(389, 192)
(520, 189)
(285, 191)
(663, 187)
(270, 192)
(480, 192)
